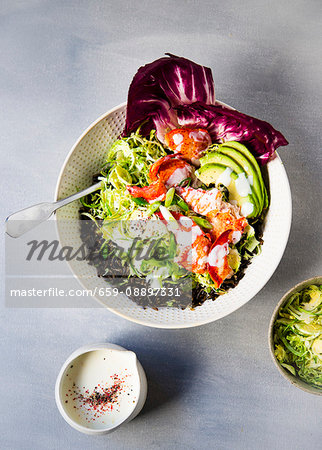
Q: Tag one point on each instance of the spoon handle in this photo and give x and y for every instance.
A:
(26, 219)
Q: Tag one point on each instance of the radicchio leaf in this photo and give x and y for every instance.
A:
(159, 87)
(226, 124)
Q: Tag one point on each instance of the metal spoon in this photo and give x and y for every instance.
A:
(22, 221)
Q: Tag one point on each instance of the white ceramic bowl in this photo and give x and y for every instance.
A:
(86, 159)
(295, 381)
(130, 406)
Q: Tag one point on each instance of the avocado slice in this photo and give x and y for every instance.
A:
(244, 150)
(220, 158)
(209, 173)
(249, 169)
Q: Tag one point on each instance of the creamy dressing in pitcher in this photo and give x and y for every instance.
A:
(100, 388)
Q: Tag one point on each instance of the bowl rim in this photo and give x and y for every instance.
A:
(294, 380)
(142, 321)
(69, 154)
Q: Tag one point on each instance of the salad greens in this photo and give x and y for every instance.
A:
(249, 246)
(151, 239)
(298, 335)
(131, 158)
(128, 162)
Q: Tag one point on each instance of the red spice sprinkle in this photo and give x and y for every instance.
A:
(101, 399)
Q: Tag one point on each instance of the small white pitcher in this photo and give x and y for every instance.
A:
(90, 365)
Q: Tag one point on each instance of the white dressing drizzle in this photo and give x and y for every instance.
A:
(217, 255)
(177, 138)
(246, 209)
(225, 177)
(185, 221)
(199, 136)
(242, 185)
(235, 236)
(177, 176)
(178, 141)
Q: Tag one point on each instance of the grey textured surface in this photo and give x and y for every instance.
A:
(62, 65)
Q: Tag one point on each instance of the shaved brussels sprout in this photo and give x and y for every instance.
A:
(298, 335)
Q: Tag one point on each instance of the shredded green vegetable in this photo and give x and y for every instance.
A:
(298, 335)
(206, 282)
(128, 162)
(249, 245)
